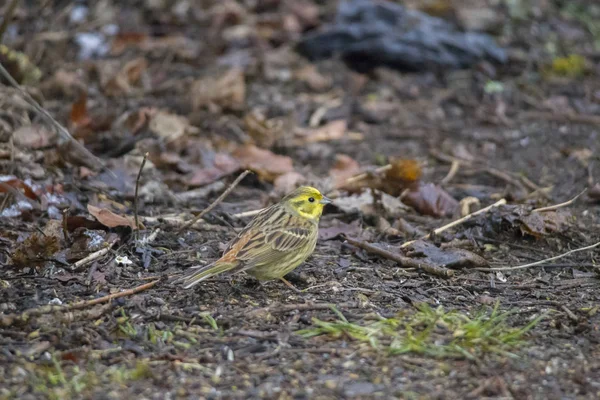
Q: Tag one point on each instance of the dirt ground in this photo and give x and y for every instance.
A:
(527, 131)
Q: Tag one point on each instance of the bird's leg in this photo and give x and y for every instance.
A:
(288, 284)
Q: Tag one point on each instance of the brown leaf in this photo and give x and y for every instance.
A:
(79, 114)
(76, 221)
(266, 164)
(223, 165)
(313, 79)
(123, 40)
(334, 130)
(110, 219)
(287, 182)
(35, 250)
(34, 137)
(227, 91)
(404, 170)
(124, 81)
(540, 224)
(170, 127)
(16, 184)
(265, 133)
(344, 168)
(430, 199)
(449, 257)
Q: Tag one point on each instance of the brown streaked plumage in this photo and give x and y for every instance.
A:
(274, 243)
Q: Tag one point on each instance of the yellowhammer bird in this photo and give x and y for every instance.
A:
(274, 243)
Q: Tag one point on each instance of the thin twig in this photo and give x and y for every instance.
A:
(405, 262)
(10, 319)
(364, 175)
(137, 186)
(245, 214)
(565, 117)
(560, 205)
(457, 222)
(533, 264)
(216, 202)
(451, 173)
(94, 256)
(61, 130)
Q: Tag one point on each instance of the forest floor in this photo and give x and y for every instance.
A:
(208, 89)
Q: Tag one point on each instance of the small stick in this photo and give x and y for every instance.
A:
(62, 131)
(217, 201)
(557, 206)
(10, 319)
(364, 175)
(533, 264)
(137, 186)
(93, 257)
(245, 214)
(405, 262)
(65, 228)
(452, 173)
(457, 222)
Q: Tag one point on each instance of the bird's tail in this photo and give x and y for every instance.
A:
(205, 272)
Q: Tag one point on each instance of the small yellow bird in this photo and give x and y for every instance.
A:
(274, 243)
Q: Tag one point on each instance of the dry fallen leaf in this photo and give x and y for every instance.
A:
(16, 183)
(223, 165)
(448, 257)
(265, 133)
(227, 91)
(430, 199)
(334, 130)
(110, 219)
(125, 80)
(34, 137)
(170, 126)
(313, 78)
(287, 182)
(344, 168)
(79, 115)
(266, 164)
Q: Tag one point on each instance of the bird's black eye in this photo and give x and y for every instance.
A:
(311, 199)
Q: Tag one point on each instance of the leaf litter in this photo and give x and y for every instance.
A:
(141, 82)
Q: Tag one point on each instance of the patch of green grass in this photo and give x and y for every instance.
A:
(59, 382)
(432, 332)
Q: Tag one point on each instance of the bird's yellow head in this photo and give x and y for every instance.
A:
(307, 202)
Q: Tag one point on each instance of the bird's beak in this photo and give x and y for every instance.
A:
(325, 200)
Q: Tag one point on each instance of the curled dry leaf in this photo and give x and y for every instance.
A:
(9, 181)
(125, 80)
(313, 78)
(110, 219)
(170, 126)
(265, 133)
(34, 137)
(540, 224)
(79, 117)
(227, 91)
(368, 204)
(35, 250)
(266, 164)
(334, 130)
(449, 257)
(287, 182)
(430, 199)
(344, 168)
